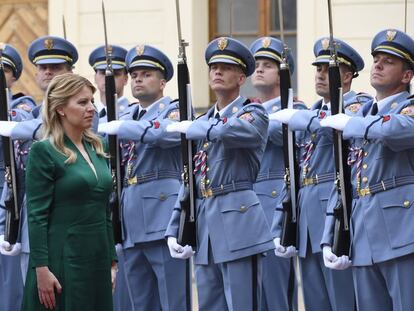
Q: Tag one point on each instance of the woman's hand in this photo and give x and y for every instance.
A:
(114, 271)
(46, 284)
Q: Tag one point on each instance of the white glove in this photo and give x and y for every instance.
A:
(334, 262)
(178, 251)
(118, 249)
(180, 127)
(337, 121)
(6, 127)
(283, 115)
(284, 252)
(9, 250)
(110, 128)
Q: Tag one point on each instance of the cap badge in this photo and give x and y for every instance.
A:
(222, 43)
(266, 42)
(325, 43)
(391, 35)
(140, 49)
(49, 43)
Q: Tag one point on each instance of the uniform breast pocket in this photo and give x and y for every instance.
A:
(158, 204)
(243, 221)
(398, 211)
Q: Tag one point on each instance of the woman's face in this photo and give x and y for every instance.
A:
(78, 113)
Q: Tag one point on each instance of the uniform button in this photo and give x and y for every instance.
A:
(207, 169)
(163, 197)
(243, 208)
(207, 181)
(365, 166)
(406, 203)
(205, 145)
(365, 179)
(365, 153)
(274, 193)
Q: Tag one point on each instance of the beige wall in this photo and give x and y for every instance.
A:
(132, 22)
(356, 22)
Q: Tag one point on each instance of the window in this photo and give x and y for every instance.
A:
(251, 19)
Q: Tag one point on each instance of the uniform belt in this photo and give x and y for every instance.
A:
(270, 176)
(317, 179)
(386, 184)
(225, 189)
(143, 178)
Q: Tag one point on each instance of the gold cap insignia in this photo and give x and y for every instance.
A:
(325, 43)
(266, 42)
(222, 43)
(140, 49)
(391, 35)
(108, 50)
(49, 43)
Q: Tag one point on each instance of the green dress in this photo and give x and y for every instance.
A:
(70, 229)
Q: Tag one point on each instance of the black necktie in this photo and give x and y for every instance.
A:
(217, 116)
(325, 107)
(374, 109)
(141, 113)
(102, 113)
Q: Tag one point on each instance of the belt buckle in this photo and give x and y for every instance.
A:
(132, 180)
(364, 192)
(308, 181)
(207, 193)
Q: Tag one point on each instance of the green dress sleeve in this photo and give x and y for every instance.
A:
(40, 178)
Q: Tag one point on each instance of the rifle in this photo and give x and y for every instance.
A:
(289, 225)
(342, 210)
(111, 100)
(11, 203)
(187, 226)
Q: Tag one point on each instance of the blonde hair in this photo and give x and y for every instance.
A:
(60, 90)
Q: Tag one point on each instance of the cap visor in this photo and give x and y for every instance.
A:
(50, 61)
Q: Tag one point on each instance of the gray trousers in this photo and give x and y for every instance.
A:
(325, 289)
(230, 285)
(156, 280)
(11, 283)
(385, 286)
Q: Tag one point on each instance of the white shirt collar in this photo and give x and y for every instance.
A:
(221, 112)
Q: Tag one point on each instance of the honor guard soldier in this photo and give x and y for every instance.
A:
(279, 290)
(232, 231)
(52, 56)
(323, 288)
(97, 60)
(11, 282)
(382, 242)
(152, 170)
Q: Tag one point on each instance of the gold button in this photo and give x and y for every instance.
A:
(163, 197)
(207, 169)
(365, 179)
(365, 166)
(243, 208)
(205, 145)
(207, 181)
(365, 153)
(274, 193)
(406, 203)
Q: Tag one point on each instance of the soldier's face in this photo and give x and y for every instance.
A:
(387, 72)
(10, 78)
(266, 74)
(45, 73)
(78, 113)
(322, 80)
(226, 77)
(121, 79)
(147, 84)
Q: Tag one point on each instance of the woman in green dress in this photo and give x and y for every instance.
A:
(72, 255)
